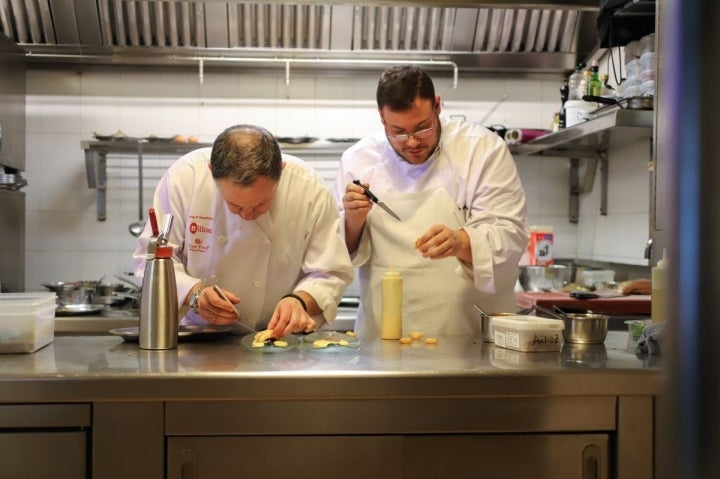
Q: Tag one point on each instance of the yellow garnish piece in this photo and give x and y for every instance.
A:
(352, 334)
(320, 343)
(281, 344)
(431, 341)
(416, 335)
(256, 344)
(344, 342)
(405, 340)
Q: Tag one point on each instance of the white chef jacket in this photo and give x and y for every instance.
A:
(295, 245)
(474, 167)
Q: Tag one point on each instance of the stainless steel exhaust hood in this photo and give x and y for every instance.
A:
(485, 36)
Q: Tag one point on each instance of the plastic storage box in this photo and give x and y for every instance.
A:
(528, 333)
(27, 321)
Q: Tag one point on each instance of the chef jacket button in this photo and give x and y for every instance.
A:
(222, 239)
(257, 284)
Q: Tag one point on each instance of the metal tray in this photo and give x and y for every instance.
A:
(185, 332)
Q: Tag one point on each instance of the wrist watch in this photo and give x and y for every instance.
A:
(195, 298)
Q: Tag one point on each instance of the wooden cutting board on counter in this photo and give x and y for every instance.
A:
(632, 304)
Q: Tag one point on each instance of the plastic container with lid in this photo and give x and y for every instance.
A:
(528, 333)
(27, 321)
(647, 62)
(632, 68)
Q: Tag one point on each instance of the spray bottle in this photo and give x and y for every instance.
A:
(659, 289)
(392, 286)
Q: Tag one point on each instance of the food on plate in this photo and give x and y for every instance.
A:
(263, 335)
(280, 343)
(179, 139)
(416, 335)
(405, 340)
(344, 342)
(431, 341)
(256, 344)
(320, 343)
(352, 334)
(192, 139)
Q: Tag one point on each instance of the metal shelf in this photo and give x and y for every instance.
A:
(590, 140)
(96, 152)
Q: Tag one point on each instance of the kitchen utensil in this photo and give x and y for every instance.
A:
(585, 328)
(137, 227)
(220, 293)
(376, 200)
(542, 309)
(544, 278)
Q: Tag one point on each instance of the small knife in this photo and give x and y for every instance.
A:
(371, 196)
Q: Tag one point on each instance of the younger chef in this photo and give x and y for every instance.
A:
(456, 190)
(258, 223)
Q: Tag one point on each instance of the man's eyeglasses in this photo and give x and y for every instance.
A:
(418, 135)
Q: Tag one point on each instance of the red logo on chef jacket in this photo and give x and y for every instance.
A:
(196, 229)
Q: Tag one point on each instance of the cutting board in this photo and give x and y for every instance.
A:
(633, 304)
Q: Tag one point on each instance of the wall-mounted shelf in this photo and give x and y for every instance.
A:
(96, 152)
(591, 140)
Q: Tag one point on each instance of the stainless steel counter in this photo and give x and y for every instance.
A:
(91, 368)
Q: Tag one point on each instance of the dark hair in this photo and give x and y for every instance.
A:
(241, 153)
(400, 85)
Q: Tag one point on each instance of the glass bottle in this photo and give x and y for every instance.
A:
(595, 88)
(574, 92)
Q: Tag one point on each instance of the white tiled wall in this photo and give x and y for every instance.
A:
(64, 107)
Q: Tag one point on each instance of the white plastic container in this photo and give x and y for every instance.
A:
(577, 111)
(27, 321)
(528, 333)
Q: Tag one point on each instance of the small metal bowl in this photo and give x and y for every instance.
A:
(586, 328)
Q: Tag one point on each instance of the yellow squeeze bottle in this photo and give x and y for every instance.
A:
(658, 300)
(391, 303)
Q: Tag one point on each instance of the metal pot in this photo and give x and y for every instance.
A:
(585, 328)
(70, 293)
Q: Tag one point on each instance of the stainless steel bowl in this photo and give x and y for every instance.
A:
(545, 278)
(585, 328)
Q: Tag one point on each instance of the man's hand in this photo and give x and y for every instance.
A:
(214, 309)
(357, 206)
(290, 317)
(441, 241)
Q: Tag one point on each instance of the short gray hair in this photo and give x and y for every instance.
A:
(241, 153)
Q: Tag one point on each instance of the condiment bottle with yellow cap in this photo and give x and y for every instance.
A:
(391, 302)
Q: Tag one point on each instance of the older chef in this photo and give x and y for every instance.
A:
(258, 223)
(456, 190)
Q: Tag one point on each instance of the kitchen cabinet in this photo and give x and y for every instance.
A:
(219, 410)
(44, 441)
(96, 153)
